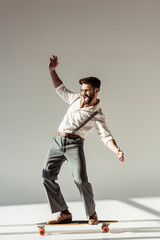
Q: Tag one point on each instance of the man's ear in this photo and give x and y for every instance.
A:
(96, 90)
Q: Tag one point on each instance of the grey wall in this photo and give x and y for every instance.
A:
(115, 40)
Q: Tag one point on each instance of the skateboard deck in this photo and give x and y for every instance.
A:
(104, 225)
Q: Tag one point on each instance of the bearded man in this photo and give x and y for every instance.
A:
(84, 114)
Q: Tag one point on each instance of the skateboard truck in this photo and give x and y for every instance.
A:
(105, 227)
(41, 230)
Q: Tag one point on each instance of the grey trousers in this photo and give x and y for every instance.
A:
(61, 149)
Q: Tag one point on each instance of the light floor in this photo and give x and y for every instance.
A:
(138, 219)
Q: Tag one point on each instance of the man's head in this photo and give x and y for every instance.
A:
(95, 82)
(90, 89)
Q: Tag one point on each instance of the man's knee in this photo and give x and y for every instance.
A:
(48, 175)
(80, 179)
(45, 174)
(81, 182)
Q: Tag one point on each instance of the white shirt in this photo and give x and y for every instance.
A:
(76, 115)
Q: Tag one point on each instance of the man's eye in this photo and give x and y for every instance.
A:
(85, 90)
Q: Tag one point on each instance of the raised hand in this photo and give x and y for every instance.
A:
(53, 63)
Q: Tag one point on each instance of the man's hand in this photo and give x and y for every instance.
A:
(120, 154)
(52, 66)
(53, 63)
(112, 145)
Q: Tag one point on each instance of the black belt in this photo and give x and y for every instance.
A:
(68, 135)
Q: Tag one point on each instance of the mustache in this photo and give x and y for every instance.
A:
(84, 95)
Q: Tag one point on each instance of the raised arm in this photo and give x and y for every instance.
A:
(52, 66)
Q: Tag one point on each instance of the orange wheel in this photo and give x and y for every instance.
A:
(105, 229)
(41, 231)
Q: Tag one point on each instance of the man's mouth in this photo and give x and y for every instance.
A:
(86, 97)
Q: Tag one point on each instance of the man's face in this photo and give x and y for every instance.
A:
(88, 93)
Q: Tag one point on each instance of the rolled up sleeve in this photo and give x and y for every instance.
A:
(67, 95)
(102, 129)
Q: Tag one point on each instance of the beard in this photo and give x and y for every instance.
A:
(88, 99)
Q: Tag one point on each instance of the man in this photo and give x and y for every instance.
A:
(84, 113)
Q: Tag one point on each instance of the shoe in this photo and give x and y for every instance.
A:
(62, 218)
(93, 220)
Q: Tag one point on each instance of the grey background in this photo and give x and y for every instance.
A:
(115, 40)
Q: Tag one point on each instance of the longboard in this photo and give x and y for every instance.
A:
(104, 226)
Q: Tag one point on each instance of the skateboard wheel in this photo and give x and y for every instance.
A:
(41, 231)
(105, 229)
(103, 225)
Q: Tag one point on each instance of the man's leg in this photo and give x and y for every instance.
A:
(52, 165)
(75, 155)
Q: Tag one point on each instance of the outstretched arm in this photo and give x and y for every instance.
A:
(114, 148)
(52, 66)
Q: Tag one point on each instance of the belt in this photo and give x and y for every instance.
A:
(69, 135)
